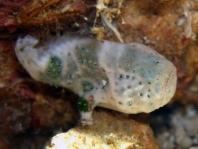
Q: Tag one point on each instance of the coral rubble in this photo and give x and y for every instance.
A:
(110, 131)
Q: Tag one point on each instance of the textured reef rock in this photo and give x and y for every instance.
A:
(109, 131)
(130, 78)
(23, 13)
(168, 26)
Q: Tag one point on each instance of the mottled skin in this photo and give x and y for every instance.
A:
(129, 78)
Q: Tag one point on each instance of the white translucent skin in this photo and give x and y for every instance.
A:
(130, 78)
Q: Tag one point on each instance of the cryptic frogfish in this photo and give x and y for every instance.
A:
(126, 77)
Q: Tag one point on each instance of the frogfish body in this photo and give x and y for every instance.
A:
(130, 78)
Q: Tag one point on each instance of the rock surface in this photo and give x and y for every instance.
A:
(109, 131)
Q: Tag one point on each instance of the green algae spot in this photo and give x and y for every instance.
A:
(54, 68)
(87, 86)
(86, 56)
(82, 105)
(129, 103)
(21, 49)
